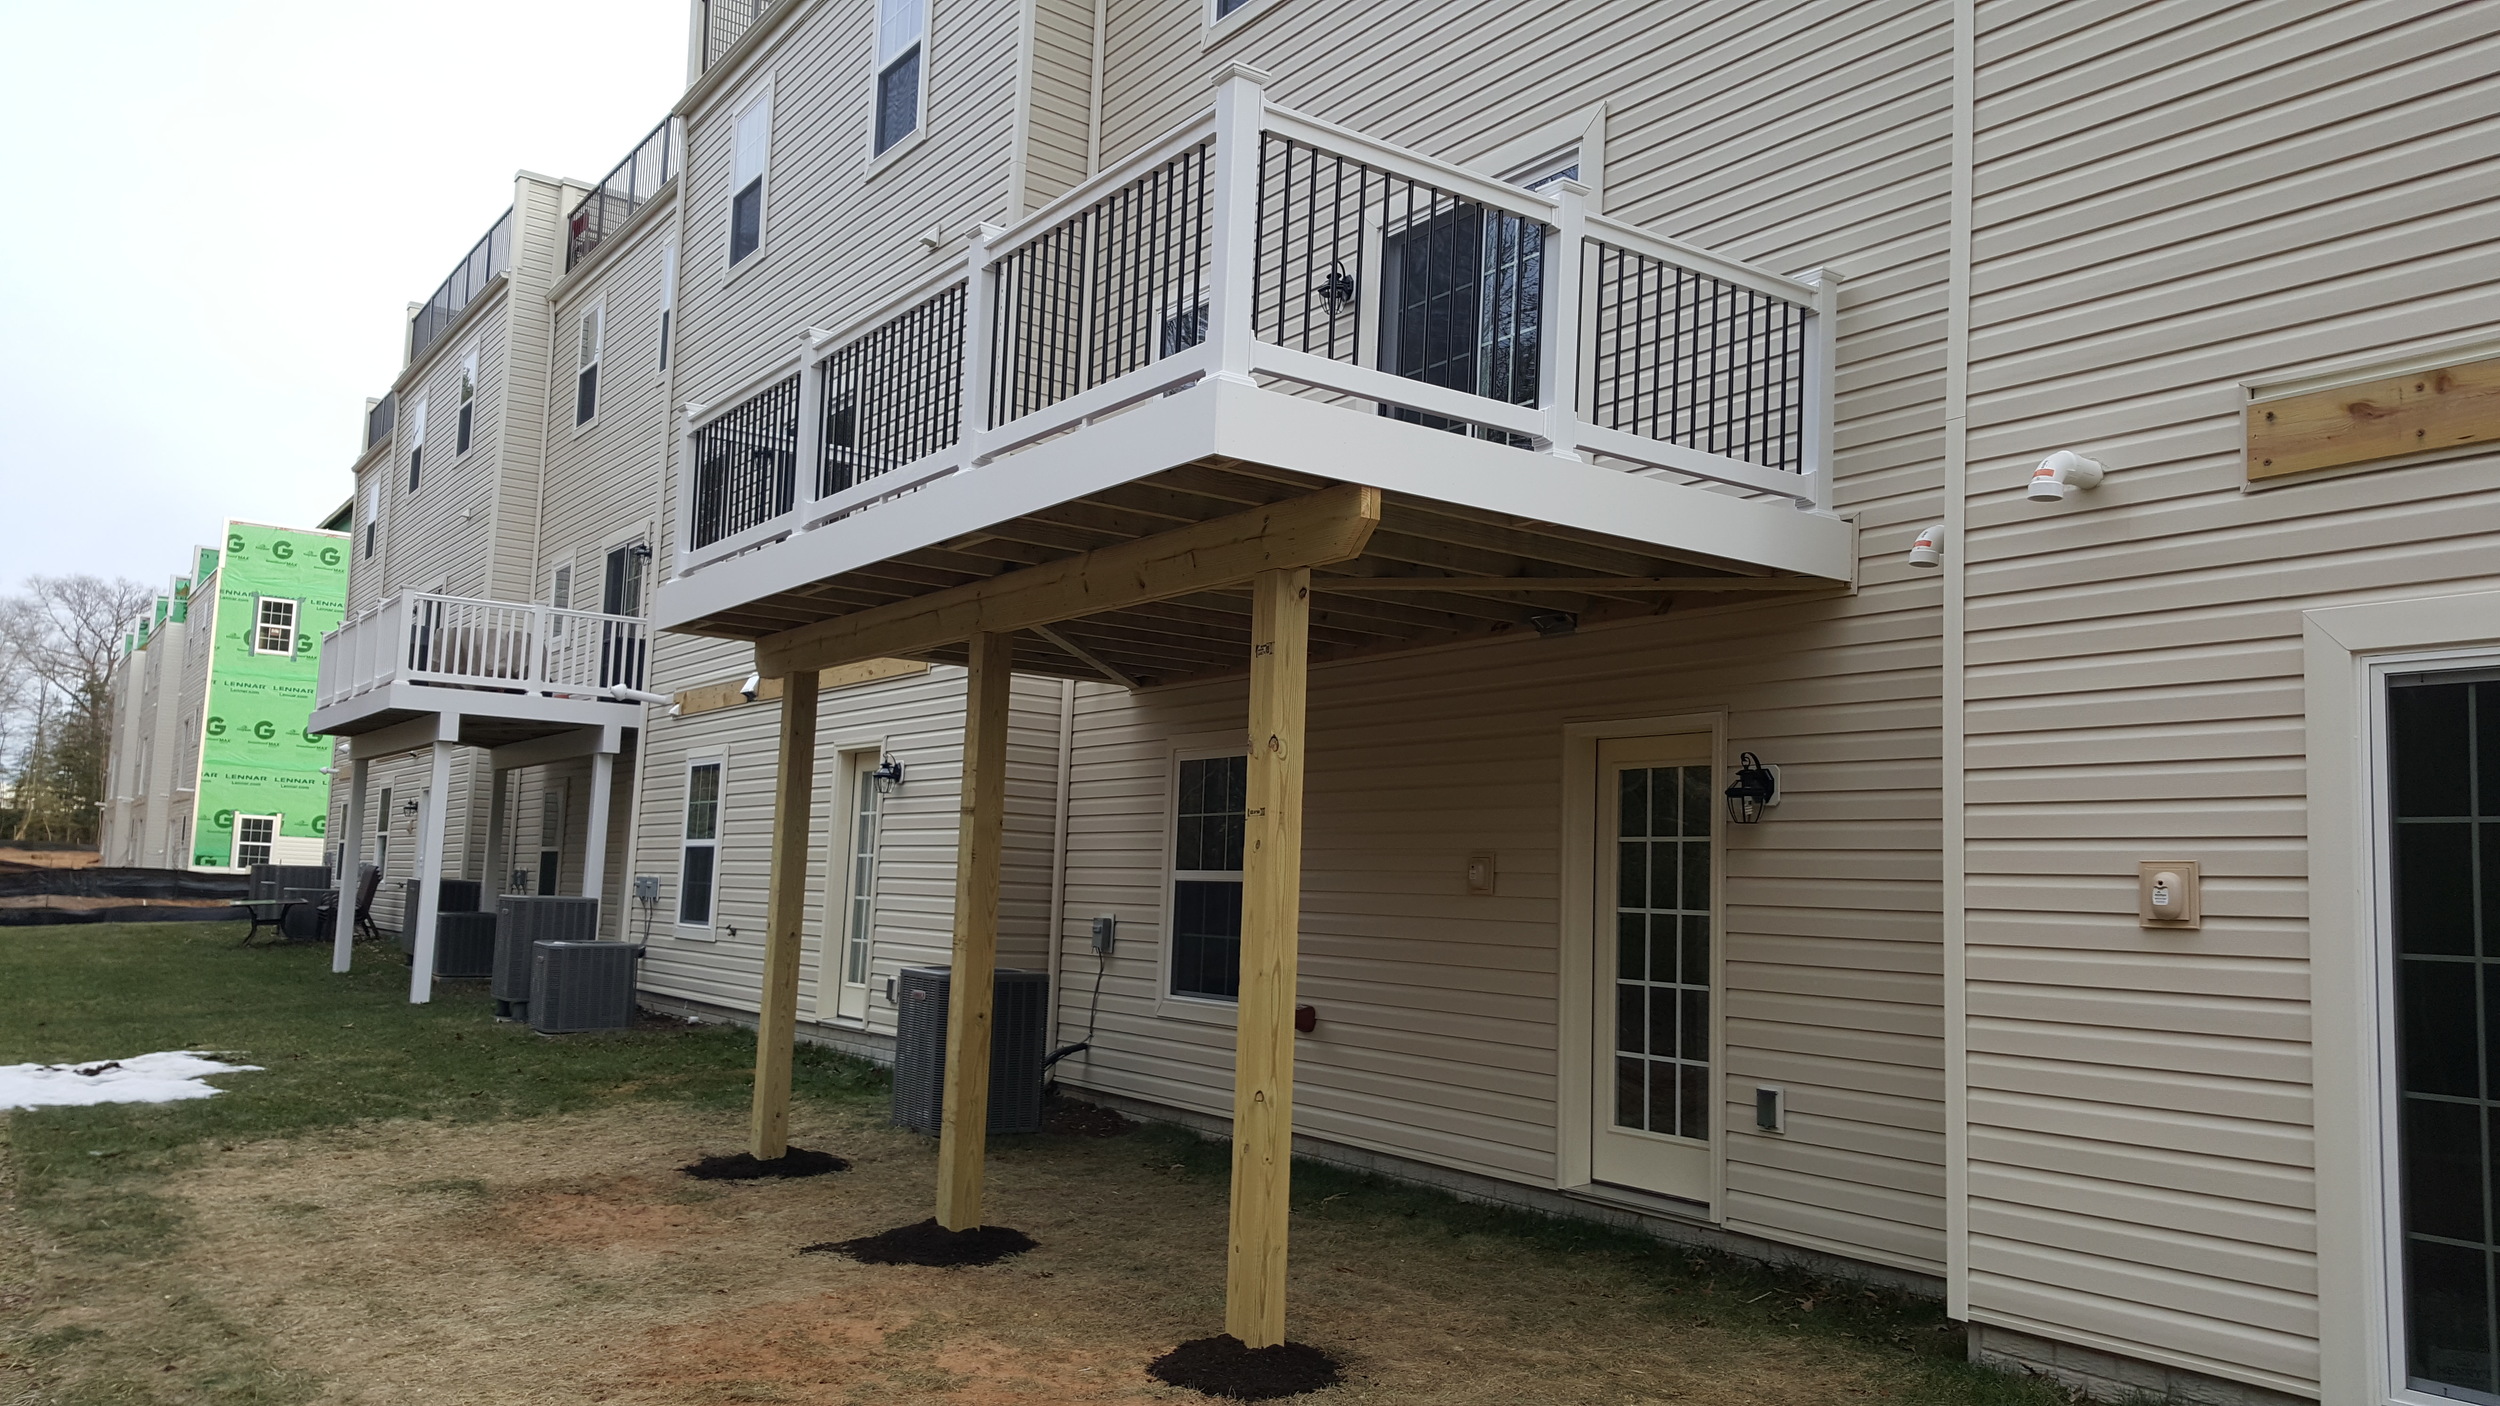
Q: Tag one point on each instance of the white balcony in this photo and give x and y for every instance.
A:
(509, 671)
(1564, 415)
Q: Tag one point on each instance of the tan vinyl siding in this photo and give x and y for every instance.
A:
(1059, 99)
(917, 720)
(2172, 200)
(603, 480)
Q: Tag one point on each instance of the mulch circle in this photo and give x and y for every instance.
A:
(1074, 1117)
(929, 1243)
(742, 1166)
(1224, 1366)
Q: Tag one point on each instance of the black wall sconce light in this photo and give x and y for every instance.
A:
(1755, 788)
(1337, 289)
(887, 776)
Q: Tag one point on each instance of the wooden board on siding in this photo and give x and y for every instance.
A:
(712, 697)
(2370, 420)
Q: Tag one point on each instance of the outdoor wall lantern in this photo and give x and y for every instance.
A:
(1755, 787)
(1337, 289)
(888, 775)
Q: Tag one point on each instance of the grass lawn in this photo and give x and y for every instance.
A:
(418, 1204)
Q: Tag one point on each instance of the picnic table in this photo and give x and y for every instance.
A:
(280, 914)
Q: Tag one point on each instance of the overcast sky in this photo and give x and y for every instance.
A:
(216, 213)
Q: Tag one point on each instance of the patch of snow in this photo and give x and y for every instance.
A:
(164, 1077)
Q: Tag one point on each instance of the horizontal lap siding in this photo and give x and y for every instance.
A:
(2171, 200)
(1797, 135)
(1058, 134)
(603, 480)
(919, 722)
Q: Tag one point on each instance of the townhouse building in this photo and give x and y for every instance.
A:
(1297, 529)
(210, 766)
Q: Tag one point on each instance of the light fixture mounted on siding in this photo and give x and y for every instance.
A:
(887, 776)
(1756, 787)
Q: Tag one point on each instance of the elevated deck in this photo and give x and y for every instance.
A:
(420, 667)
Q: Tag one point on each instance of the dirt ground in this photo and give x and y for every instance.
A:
(566, 1260)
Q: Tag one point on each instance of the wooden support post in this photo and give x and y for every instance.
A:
(777, 1013)
(1271, 914)
(981, 833)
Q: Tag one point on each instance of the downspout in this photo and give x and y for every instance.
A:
(661, 529)
(1954, 687)
(1059, 851)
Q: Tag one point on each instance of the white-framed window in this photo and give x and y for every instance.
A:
(1544, 171)
(372, 514)
(698, 855)
(586, 363)
(859, 916)
(416, 444)
(551, 807)
(1209, 794)
(1220, 15)
(255, 839)
(273, 626)
(902, 51)
(750, 161)
(468, 402)
(668, 298)
(382, 835)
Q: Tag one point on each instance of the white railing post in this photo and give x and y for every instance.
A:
(687, 472)
(809, 472)
(1821, 329)
(403, 661)
(542, 670)
(980, 331)
(1232, 265)
(1558, 377)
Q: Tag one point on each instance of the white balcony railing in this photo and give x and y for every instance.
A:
(453, 641)
(1263, 247)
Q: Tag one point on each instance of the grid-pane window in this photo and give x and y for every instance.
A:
(750, 155)
(255, 838)
(373, 512)
(902, 29)
(1206, 877)
(858, 922)
(1662, 949)
(273, 627)
(701, 847)
(586, 377)
(416, 446)
(2444, 770)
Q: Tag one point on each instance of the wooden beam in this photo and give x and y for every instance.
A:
(1271, 919)
(2383, 419)
(1318, 529)
(1083, 655)
(1575, 585)
(981, 832)
(712, 697)
(777, 1014)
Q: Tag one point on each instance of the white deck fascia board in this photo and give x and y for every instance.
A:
(1287, 432)
(456, 704)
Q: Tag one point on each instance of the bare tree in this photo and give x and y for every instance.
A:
(59, 639)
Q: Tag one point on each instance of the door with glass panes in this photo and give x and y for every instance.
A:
(2442, 815)
(848, 953)
(1655, 1080)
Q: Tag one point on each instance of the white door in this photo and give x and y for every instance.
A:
(1655, 1077)
(850, 890)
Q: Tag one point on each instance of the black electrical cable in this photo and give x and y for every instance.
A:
(1093, 1013)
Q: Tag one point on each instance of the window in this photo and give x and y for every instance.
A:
(373, 512)
(751, 151)
(1465, 293)
(468, 403)
(255, 837)
(416, 445)
(621, 594)
(560, 590)
(902, 29)
(382, 835)
(273, 628)
(668, 298)
(620, 644)
(551, 838)
(1226, 7)
(860, 891)
(1206, 877)
(586, 380)
(696, 859)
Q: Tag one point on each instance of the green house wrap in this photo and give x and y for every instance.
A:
(262, 796)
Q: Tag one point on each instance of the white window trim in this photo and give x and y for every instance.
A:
(597, 315)
(1211, 1010)
(709, 929)
(465, 401)
(667, 323)
(879, 160)
(294, 629)
(1215, 29)
(2348, 650)
(416, 446)
(1579, 137)
(234, 843)
(762, 92)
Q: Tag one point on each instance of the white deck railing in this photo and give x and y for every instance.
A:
(1262, 247)
(416, 637)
